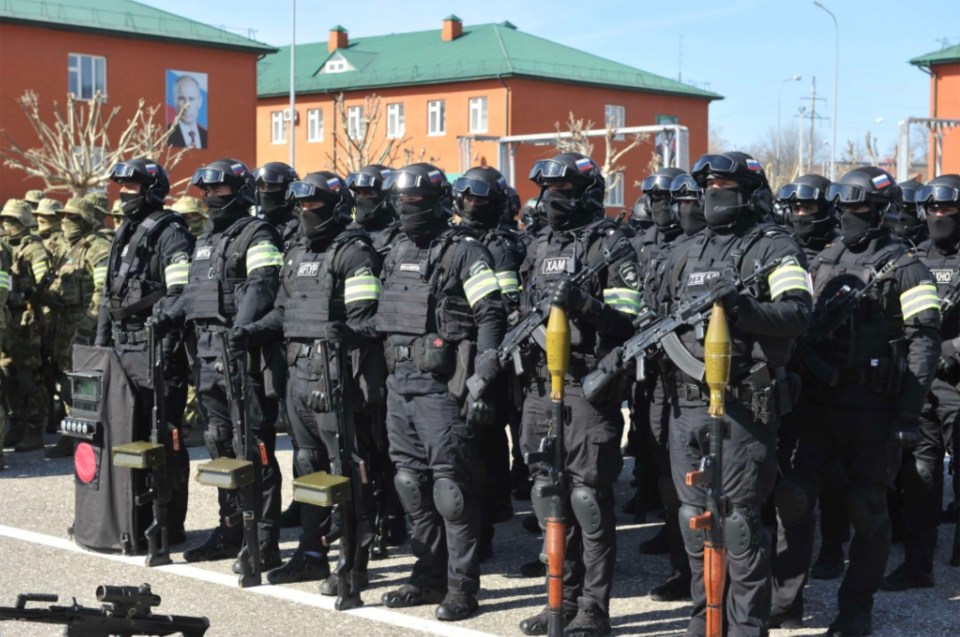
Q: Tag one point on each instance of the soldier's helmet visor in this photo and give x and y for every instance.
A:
(846, 193)
(684, 185)
(476, 187)
(800, 192)
(937, 194)
(655, 183)
(718, 164)
(208, 177)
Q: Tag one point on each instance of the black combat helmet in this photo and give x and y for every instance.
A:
(233, 173)
(808, 191)
(487, 192)
(656, 195)
(574, 207)
(155, 185)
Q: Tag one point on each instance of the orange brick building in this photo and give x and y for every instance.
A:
(451, 92)
(944, 69)
(127, 51)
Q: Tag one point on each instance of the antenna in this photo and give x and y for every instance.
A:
(680, 60)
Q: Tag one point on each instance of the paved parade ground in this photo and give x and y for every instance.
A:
(37, 555)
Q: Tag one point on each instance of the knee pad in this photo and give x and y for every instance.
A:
(540, 501)
(743, 530)
(409, 484)
(217, 448)
(692, 540)
(308, 461)
(792, 501)
(449, 499)
(868, 510)
(586, 508)
(926, 473)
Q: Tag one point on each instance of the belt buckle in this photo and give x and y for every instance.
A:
(403, 353)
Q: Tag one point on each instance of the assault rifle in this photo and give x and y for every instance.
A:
(125, 612)
(661, 334)
(531, 325)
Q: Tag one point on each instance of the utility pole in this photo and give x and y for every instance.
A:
(813, 118)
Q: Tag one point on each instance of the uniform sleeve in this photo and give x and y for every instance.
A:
(174, 247)
(359, 270)
(620, 292)
(507, 260)
(474, 267)
(270, 328)
(98, 261)
(39, 259)
(785, 310)
(920, 306)
(256, 295)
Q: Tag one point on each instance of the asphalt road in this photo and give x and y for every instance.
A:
(36, 555)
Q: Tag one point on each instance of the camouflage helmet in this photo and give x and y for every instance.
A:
(83, 207)
(34, 197)
(19, 210)
(188, 205)
(48, 208)
(100, 203)
(116, 210)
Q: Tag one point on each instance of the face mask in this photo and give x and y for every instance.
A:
(13, 230)
(721, 207)
(132, 202)
(74, 229)
(482, 214)
(48, 225)
(195, 223)
(221, 207)
(271, 202)
(691, 217)
(418, 220)
(561, 207)
(318, 222)
(855, 226)
(944, 229)
(366, 209)
(662, 215)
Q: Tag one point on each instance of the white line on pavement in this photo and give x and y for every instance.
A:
(376, 614)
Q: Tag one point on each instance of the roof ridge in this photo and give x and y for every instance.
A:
(503, 48)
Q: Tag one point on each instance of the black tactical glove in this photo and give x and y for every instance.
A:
(487, 365)
(318, 402)
(948, 356)
(480, 412)
(571, 298)
(237, 340)
(341, 333)
(906, 433)
(724, 289)
(162, 324)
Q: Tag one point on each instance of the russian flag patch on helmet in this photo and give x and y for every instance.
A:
(435, 176)
(585, 164)
(151, 169)
(333, 184)
(238, 168)
(754, 165)
(881, 181)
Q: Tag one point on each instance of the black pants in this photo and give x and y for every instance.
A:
(849, 447)
(662, 410)
(592, 443)
(493, 451)
(217, 415)
(316, 450)
(749, 470)
(429, 439)
(921, 477)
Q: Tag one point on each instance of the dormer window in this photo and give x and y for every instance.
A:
(336, 64)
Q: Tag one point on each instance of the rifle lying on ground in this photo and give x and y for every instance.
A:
(125, 612)
(661, 334)
(342, 489)
(531, 325)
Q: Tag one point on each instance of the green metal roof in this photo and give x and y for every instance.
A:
(943, 56)
(123, 18)
(483, 52)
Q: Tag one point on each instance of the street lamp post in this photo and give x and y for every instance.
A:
(293, 79)
(836, 87)
(795, 78)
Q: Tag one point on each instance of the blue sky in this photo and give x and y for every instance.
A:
(742, 49)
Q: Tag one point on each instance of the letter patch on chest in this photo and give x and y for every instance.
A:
(943, 277)
(554, 265)
(410, 267)
(203, 253)
(700, 278)
(310, 268)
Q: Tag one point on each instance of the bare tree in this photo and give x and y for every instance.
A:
(361, 145)
(78, 148)
(579, 142)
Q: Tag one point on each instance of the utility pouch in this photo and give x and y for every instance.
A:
(434, 354)
(466, 352)
(454, 319)
(389, 357)
(274, 370)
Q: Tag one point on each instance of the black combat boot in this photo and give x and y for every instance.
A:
(537, 625)
(457, 605)
(217, 547)
(300, 568)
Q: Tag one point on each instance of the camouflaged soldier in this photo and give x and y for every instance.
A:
(34, 197)
(21, 358)
(49, 228)
(193, 211)
(101, 209)
(6, 264)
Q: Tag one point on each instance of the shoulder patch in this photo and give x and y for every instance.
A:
(469, 239)
(629, 275)
(180, 257)
(364, 271)
(478, 267)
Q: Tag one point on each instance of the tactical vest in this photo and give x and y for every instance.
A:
(947, 277)
(865, 339)
(705, 260)
(22, 274)
(653, 250)
(134, 282)
(6, 265)
(384, 238)
(74, 283)
(289, 230)
(314, 281)
(218, 267)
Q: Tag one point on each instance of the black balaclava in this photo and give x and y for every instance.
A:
(370, 210)
(691, 216)
(858, 227)
(480, 214)
(944, 229)
(224, 209)
(320, 224)
(419, 220)
(722, 207)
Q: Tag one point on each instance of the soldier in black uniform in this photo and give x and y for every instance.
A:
(907, 223)
(373, 211)
(233, 281)
(921, 473)
(813, 221)
(329, 287)
(873, 378)
(440, 296)
(482, 199)
(572, 190)
(148, 267)
(763, 323)
(272, 180)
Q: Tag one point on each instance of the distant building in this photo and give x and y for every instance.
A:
(454, 90)
(944, 69)
(128, 51)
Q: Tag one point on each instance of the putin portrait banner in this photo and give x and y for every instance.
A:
(187, 90)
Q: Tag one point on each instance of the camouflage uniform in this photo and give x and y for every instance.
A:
(21, 358)
(47, 215)
(6, 264)
(34, 197)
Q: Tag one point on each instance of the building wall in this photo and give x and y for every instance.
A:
(36, 58)
(945, 103)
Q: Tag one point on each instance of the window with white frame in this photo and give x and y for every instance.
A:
(437, 117)
(478, 115)
(278, 128)
(615, 193)
(355, 125)
(336, 64)
(315, 125)
(395, 123)
(616, 117)
(86, 75)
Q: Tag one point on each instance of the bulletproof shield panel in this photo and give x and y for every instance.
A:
(106, 517)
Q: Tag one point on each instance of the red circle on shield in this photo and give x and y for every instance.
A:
(85, 462)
